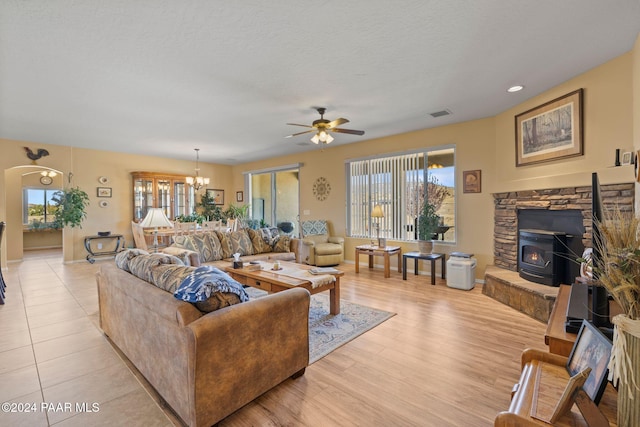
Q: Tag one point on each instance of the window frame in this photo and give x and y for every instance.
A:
(397, 226)
(25, 204)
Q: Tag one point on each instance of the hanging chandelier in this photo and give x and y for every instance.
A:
(197, 182)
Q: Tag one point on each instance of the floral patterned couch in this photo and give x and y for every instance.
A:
(217, 248)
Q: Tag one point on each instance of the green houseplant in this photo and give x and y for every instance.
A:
(71, 207)
(428, 222)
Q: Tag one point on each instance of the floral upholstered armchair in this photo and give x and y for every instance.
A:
(317, 247)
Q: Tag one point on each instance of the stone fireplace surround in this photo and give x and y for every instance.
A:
(501, 283)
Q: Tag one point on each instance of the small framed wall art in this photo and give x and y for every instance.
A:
(239, 196)
(104, 191)
(472, 181)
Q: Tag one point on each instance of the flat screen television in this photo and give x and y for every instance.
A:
(599, 295)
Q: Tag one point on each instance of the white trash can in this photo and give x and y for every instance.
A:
(461, 271)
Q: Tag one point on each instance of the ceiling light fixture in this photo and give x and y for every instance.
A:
(515, 88)
(197, 182)
(48, 173)
(322, 136)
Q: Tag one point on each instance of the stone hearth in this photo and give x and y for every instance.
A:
(502, 281)
(509, 288)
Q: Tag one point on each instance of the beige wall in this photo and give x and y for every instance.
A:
(611, 120)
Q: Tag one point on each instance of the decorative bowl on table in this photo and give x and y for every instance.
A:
(104, 233)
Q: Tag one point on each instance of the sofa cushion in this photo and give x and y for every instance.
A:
(282, 244)
(123, 257)
(206, 244)
(258, 242)
(237, 242)
(141, 265)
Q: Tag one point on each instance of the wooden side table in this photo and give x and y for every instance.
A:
(385, 252)
(427, 257)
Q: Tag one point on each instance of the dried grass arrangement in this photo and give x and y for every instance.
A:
(619, 273)
(619, 246)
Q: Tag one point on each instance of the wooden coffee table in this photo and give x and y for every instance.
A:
(272, 281)
(385, 252)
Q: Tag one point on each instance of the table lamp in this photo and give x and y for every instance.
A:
(155, 218)
(377, 213)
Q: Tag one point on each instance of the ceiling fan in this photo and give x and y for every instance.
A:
(322, 127)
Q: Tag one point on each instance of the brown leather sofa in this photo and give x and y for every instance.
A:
(205, 366)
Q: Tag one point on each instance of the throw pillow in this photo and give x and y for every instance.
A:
(225, 244)
(282, 244)
(216, 247)
(240, 242)
(218, 300)
(260, 246)
(141, 265)
(169, 276)
(123, 258)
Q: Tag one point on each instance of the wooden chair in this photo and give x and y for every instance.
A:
(232, 225)
(182, 228)
(211, 226)
(138, 236)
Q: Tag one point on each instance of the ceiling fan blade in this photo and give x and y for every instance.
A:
(351, 131)
(337, 122)
(296, 124)
(299, 133)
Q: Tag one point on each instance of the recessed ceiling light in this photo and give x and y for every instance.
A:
(516, 88)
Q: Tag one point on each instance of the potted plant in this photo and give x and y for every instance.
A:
(239, 213)
(71, 207)
(210, 210)
(428, 222)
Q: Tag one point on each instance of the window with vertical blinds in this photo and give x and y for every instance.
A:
(397, 184)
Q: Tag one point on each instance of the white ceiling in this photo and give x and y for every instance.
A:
(163, 77)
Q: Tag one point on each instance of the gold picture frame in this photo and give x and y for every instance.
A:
(472, 181)
(550, 131)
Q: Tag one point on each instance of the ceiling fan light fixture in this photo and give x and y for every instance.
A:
(315, 139)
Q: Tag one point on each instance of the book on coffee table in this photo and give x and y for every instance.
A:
(323, 270)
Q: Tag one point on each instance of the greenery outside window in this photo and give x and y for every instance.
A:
(38, 211)
(398, 184)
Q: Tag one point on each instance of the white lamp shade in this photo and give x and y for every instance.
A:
(156, 218)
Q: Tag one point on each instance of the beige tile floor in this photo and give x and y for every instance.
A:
(56, 366)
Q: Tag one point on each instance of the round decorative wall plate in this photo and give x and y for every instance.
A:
(321, 188)
(46, 180)
(103, 203)
(103, 180)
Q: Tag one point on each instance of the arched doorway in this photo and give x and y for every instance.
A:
(27, 190)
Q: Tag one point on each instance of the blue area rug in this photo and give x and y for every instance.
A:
(328, 332)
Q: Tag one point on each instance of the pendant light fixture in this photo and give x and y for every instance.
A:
(197, 182)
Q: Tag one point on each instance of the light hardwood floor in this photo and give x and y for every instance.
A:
(448, 358)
